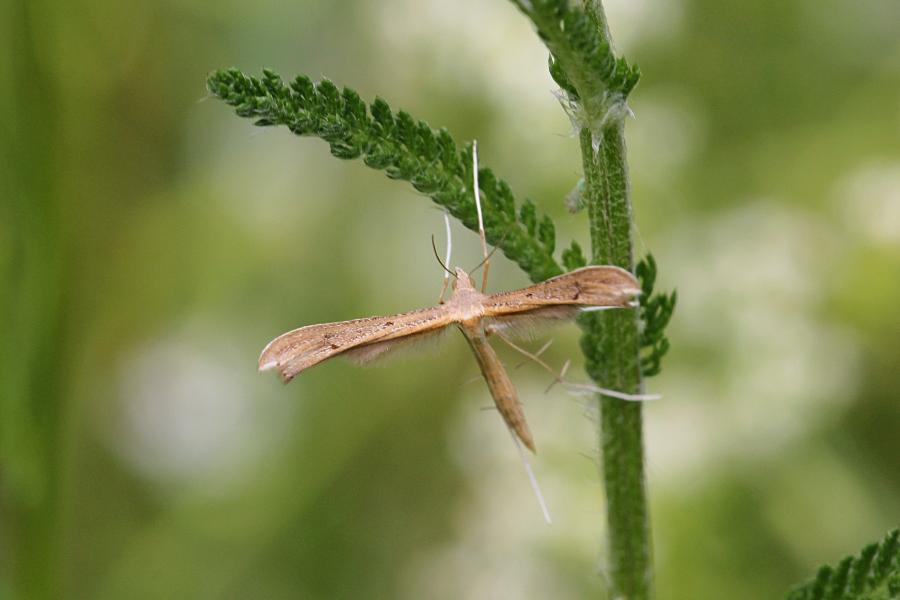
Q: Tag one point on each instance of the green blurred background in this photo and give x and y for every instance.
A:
(152, 243)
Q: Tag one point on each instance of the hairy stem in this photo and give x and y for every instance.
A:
(594, 85)
(611, 347)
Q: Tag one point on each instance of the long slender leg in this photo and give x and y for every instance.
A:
(570, 385)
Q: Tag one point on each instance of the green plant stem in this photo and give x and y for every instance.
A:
(595, 84)
(611, 348)
(31, 402)
(621, 424)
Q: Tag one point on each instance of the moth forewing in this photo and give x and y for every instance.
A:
(533, 323)
(378, 351)
(297, 350)
(587, 286)
(525, 312)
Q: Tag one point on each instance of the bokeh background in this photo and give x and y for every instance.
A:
(152, 243)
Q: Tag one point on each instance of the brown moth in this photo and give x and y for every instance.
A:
(476, 314)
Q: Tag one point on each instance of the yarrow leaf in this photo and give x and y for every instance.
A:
(402, 147)
(873, 574)
(655, 313)
(573, 258)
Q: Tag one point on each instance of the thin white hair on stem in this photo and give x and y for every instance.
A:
(589, 408)
(640, 238)
(531, 478)
(477, 191)
(583, 389)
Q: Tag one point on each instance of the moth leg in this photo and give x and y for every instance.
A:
(494, 329)
(536, 357)
(579, 388)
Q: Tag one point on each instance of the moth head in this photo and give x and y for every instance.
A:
(463, 281)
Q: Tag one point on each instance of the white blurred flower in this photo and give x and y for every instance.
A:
(750, 284)
(869, 202)
(187, 411)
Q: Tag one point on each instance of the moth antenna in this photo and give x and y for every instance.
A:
(440, 262)
(484, 260)
(491, 253)
(447, 257)
(484, 250)
(531, 478)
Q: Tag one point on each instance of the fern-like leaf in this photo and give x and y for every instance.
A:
(573, 258)
(655, 313)
(403, 148)
(873, 574)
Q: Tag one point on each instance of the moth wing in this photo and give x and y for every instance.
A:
(388, 349)
(532, 323)
(297, 350)
(525, 311)
(587, 286)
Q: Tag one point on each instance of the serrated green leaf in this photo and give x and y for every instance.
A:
(655, 313)
(405, 149)
(528, 216)
(872, 574)
(573, 257)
